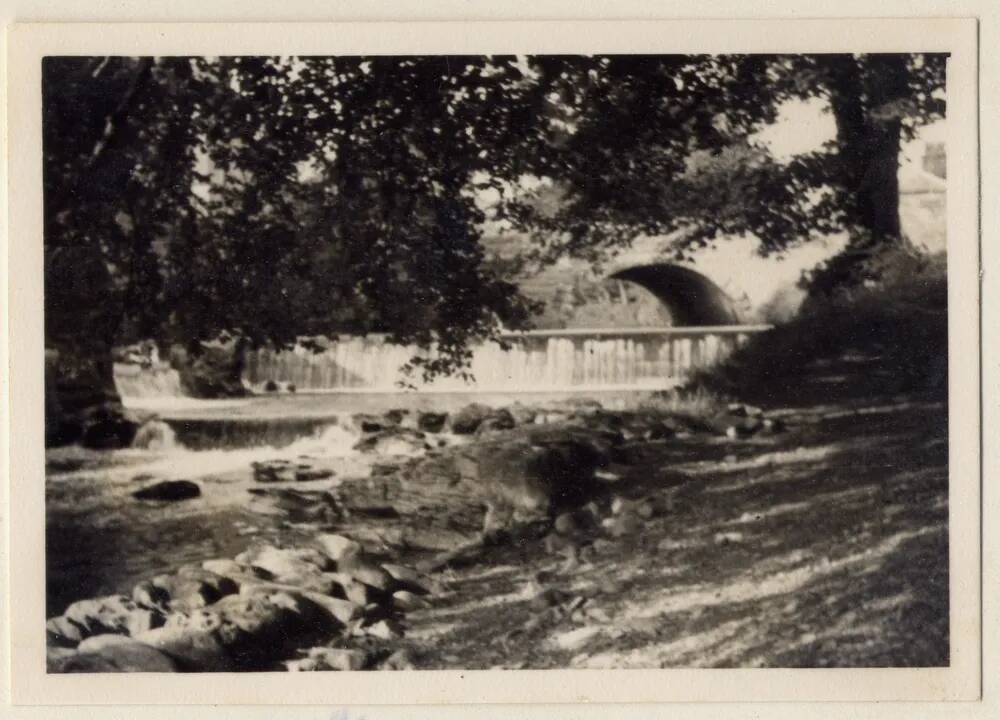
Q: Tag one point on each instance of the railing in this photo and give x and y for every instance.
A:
(536, 360)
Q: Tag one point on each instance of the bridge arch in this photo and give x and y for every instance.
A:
(691, 298)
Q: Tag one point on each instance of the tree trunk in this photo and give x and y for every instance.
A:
(863, 93)
(82, 403)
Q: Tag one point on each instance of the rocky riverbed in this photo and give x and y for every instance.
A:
(555, 535)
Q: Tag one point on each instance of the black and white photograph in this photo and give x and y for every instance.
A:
(359, 362)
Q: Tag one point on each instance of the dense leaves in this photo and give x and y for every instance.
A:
(280, 197)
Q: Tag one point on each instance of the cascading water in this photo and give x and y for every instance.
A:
(533, 362)
(150, 378)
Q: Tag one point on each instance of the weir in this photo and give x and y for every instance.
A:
(539, 360)
(534, 361)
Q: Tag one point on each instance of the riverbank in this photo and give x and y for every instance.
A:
(821, 541)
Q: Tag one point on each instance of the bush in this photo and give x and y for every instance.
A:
(897, 319)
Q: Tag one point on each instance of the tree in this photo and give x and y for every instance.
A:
(274, 197)
(662, 145)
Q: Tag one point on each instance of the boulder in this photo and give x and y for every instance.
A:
(521, 414)
(111, 614)
(261, 628)
(290, 566)
(499, 420)
(169, 490)
(194, 587)
(114, 653)
(431, 422)
(368, 423)
(192, 641)
(270, 386)
(467, 420)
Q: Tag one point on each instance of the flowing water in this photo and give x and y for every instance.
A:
(100, 539)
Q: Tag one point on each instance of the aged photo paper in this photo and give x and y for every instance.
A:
(510, 362)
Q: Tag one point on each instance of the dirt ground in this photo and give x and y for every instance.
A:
(824, 546)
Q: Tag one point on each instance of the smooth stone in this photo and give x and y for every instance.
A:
(114, 653)
(192, 641)
(169, 490)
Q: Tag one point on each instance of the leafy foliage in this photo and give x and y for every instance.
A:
(279, 197)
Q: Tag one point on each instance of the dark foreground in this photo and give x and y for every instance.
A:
(824, 544)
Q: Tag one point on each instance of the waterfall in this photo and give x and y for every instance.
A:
(538, 361)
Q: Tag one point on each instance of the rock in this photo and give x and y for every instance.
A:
(402, 659)
(338, 548)
(368, 423)
(409, 579)
(110, 614)
(169, 490)
(301, 665)
(385, 630)
(149, 595)
(114, 653)
(290, 387)
(431, 422)
(395, 416)
(312, 474)
(224, 567)
(394, 441)
(342, 659)
(270, 471)
(194, 587)
(260, 628)
(154, 435)
(62, 632)
(406, 600)
(467, 420)
(192, 641)
(290, 566)
(521, 414)
(368, 573)
(498, 421)
(270, 386)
